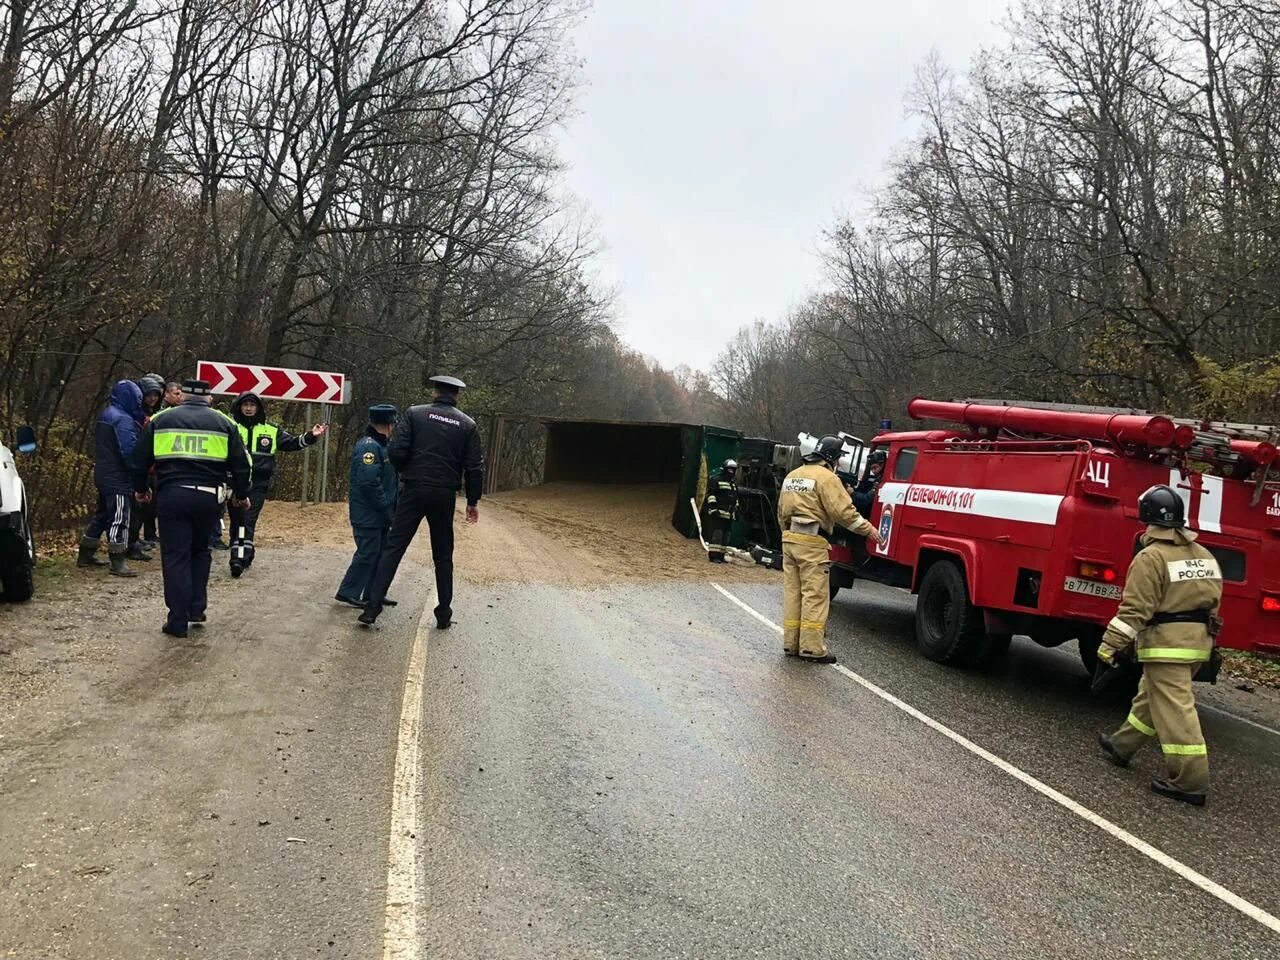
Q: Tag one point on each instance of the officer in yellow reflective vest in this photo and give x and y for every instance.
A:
(263, 441)
(1169, 613)
(813, 501)
(194, 450)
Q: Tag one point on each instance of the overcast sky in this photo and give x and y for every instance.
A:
(716, 138)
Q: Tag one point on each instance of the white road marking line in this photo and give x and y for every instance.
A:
(1236, 716)
(1250, 910)
(747, 607)
(400, 928)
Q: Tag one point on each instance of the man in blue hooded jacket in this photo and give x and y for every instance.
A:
(115, 436)
(371, 504)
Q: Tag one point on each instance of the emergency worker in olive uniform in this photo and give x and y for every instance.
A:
(371, 504)
(194, 450)
(263, 440)
(1169, 613)
(718, 508)
(436, 449)
(813, 501)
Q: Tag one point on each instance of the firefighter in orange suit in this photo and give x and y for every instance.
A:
(813, 502)
(1169, 613)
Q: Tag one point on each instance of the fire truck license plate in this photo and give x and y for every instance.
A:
(1107, 590)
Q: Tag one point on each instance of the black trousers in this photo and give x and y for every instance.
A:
(244, 522)
(716, 530)
(436, 505)
(142, 522)
(187, 517)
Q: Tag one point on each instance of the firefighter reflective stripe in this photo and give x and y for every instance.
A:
(788, 624)
(1140, 726)
(1185, 749)
(176, 443)
(789, 535)
(1172, 653)
(1120, 626)
(812, 625)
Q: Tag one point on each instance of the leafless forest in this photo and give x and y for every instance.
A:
(1091, 213)
(361, 185)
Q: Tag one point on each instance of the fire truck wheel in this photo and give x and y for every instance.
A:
(949, 629)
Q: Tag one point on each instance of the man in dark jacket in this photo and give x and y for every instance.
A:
(371, 504)
(115, 436)
(263, 440)
(436, 449)
(142, 516)
(194, 451)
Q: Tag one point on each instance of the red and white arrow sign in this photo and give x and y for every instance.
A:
(273, 383)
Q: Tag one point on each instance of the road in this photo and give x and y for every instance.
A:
(609, 765)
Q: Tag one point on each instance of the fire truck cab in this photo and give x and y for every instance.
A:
(1024, 522)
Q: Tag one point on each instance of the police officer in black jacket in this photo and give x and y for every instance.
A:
(194, 449)
(436, 450)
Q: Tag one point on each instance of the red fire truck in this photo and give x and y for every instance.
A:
(1024, 519)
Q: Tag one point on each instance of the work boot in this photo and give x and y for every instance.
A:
(174, 632)
(136, 552)
(388, 602)
(119, 568)
(825, 658)
(368, 618)
(443, 618)
(1166, 789)
(237, 568)
(89, 553)
(791, 653)
(199, 619)
(349, 601)
(1113, 754)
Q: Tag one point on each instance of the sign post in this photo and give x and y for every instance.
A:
(283, 383)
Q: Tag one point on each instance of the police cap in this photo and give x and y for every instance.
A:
(196, 388)
(383, 413)
(444, 381)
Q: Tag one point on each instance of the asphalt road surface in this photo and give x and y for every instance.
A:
(615, 771)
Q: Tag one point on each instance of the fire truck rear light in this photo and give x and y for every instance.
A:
(1184, 437)
(1271, 604)
(1097, 571)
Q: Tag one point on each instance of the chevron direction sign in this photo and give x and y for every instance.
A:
(274, 383)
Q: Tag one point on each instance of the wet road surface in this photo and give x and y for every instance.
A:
(632, 771)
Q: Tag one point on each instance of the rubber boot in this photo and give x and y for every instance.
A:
(119, 568)
(88, 556)
(136, 552)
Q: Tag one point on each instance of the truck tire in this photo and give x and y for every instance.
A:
(1089, 644)
(17, 565)
(949, 629)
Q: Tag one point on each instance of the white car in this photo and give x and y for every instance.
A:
(17, 541)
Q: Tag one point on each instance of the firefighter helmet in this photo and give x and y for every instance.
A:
(1161, 506)
(730, 467)
(828, 450)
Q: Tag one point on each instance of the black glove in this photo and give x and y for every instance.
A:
(1107, 674)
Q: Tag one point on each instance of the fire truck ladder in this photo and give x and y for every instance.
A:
(1213, 442)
